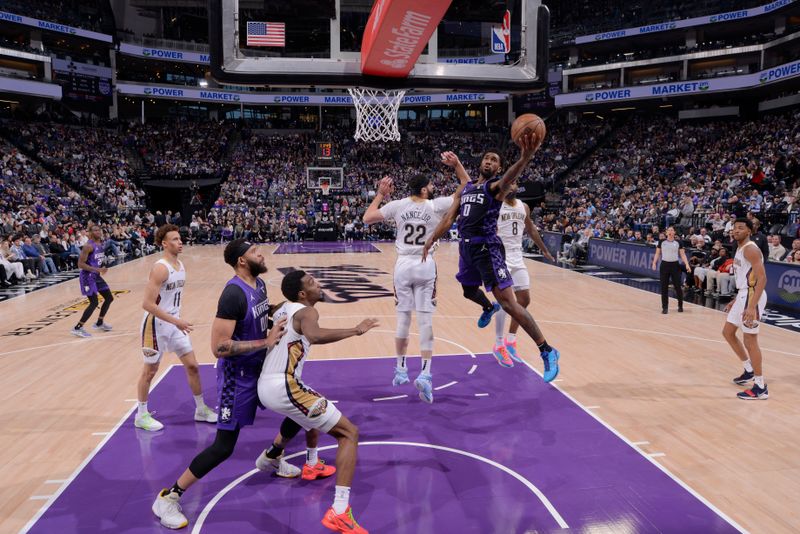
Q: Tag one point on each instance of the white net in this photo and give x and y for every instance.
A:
(376, 113)
(325, 185)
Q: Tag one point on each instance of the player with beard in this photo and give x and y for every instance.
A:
(481, 252)
(240, 341)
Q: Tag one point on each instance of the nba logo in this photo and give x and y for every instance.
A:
(501, 36)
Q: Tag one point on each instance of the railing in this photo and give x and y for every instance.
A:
(156, 42)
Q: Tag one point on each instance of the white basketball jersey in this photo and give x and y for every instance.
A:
(743, 269)
(169, 295)
(511, 224)
(292, 350)
(415, 221)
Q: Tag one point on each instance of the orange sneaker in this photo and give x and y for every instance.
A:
(313, 472)
(344, 523)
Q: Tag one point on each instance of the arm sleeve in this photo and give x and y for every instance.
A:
(658, 244)
(232, 304)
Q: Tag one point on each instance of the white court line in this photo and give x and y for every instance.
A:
(453, 383)
(100, 433)
(131, 400)
(472, 369)
(481, 394)
(663, 469)
(389, 398)
(39, 497)
(88, 459)
(528, 484)
(58, 481)
(592, 407)
(656, 454)
(637, 443)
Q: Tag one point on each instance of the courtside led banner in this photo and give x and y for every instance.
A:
(209, 95)
(164, 54)
(729, 83)
(685, 23)
(55, 27)
(396, 33)
(28, 87)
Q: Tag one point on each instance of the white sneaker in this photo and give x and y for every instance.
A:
(105, 327)
(80, 332)
(281, 467)
(205, 415)
(147, 422)
(168, 510)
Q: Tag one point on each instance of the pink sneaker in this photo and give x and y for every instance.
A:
(502, 356)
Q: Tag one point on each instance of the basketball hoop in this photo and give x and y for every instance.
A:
(376, 113)
(325, 186)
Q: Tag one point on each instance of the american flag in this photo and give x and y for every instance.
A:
(266, 34)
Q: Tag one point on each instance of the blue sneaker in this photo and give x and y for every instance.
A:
(400, 376)
(486, 317)
(424, 385)
(511, 348)
(550, 364)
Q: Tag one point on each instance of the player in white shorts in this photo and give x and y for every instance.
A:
(281, 388)
(746, 308)
(163, 330)
(415, 217)
(514, 219)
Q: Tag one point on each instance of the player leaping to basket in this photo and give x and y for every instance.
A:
(481, 252)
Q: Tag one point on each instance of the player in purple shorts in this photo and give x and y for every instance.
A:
(240, 341)
(90, 263)
(481, 256)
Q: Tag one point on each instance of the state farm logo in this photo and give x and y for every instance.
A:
(401, 48)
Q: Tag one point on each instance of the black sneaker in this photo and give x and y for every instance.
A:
(680, 308)
(754, 393)
(743, 378)
(664, 310)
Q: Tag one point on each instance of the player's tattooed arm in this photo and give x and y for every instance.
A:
(224, 347)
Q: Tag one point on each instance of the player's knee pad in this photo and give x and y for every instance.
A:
(403, 324)
(425, 324)
(289, 429)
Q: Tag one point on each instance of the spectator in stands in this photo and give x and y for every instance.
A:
(793, 257)
(31, 265)
(776, 250)
(44, 253)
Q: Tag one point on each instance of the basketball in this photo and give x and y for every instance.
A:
(528, 122)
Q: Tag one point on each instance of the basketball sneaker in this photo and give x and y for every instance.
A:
(147, 422)
(205, 415)
(754, 393)
(344, 523)
(281, 467)
(424, 385)
(321, 470)
(80, 332)
(550, 364)
(105, 327)
(400, 376)
(511, 349)
(501, 354)
(168, 510)
(744, 378)
(486, 317)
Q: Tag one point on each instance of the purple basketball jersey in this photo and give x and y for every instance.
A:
(96, 257)
(254, 325)
(479, 211)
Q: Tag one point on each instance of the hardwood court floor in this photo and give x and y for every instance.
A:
(662, 382)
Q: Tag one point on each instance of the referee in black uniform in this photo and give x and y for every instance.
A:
(668, 250)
